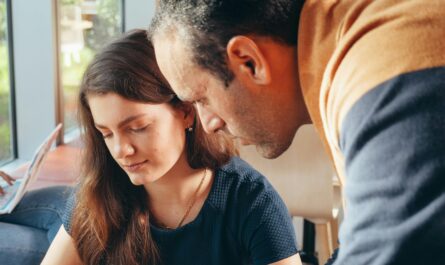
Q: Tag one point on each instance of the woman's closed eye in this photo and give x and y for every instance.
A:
(136, 129)
(106, 135)
(139, 129)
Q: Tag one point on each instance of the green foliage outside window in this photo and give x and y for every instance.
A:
(5, 130)
(2, 20)
(106, 26)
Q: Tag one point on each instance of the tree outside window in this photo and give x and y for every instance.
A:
(6, 152)
(85, 27)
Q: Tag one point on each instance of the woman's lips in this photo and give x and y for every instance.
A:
(135, 166)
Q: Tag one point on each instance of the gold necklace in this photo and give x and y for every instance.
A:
(193, 199)
(191, 203)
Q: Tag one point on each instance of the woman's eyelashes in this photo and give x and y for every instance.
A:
(139, 129)
(106, 135)
(136, 129)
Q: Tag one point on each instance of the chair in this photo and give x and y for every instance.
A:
(305, 179)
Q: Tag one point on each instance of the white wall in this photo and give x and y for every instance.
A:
(35, 73)
(138, 13)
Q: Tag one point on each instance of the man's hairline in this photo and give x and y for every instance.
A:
(169, 30)
(174, 31)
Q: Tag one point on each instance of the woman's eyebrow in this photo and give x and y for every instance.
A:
(122, 123)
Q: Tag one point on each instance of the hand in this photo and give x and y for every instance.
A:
(8, 179)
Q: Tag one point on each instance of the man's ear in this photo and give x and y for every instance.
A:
(247, 60)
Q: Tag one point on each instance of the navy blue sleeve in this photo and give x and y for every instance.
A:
(267, 231)
(68, 213)
(393, 140)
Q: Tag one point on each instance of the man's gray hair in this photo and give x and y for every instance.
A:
(206, 26)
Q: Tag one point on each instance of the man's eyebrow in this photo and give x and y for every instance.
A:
(122, 123)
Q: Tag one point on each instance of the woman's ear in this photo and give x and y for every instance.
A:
(189, 114)
(247, 60)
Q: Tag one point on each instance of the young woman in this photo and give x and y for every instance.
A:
(157, 189)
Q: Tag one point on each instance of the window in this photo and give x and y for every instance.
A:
(6, 120)
(84, 27)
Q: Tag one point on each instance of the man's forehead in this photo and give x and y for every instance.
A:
(189, 93)
(173, 64)
(187, 79)
(187, 83)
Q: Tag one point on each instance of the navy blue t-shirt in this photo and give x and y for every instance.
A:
(243, 221)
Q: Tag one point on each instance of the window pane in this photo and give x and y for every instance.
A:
(85, 26)
(6, 152)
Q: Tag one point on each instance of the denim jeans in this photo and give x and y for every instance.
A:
(26, 233)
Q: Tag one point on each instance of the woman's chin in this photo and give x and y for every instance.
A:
(137, 179)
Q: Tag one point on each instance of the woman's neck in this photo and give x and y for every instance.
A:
(176, 186)
(177, 198)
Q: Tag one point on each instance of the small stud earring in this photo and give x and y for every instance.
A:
(190, 129)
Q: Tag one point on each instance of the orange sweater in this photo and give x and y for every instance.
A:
(373, 79)
(348, 47)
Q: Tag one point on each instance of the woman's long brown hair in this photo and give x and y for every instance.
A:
(110, 223)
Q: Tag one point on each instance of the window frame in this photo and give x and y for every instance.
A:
(12, 102)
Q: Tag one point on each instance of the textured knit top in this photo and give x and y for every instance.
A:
(243, 221)
(373, 78)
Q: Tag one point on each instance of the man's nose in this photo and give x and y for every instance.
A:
(210, 121)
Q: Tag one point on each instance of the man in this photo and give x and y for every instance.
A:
(370, 76)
